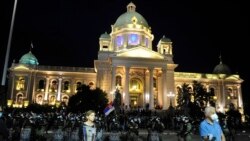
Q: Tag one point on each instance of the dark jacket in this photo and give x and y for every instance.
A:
(4, 133)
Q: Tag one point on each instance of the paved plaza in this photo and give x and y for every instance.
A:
(166, 136)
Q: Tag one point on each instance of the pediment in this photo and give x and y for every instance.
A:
(21, 67)
(140, 52)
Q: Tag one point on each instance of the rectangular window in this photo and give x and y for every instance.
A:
(119, 41)
(133, 39)
(146, 42)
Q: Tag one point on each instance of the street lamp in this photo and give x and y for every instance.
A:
(171, 95)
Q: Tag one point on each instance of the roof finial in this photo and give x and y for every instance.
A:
(131, 7)
(220, 57)
(31, 46)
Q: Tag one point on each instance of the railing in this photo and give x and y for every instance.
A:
(63, 68)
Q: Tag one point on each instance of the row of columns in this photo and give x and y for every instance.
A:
(59, 88)
(149, 91)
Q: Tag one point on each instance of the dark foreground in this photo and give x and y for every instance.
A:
(166, 136)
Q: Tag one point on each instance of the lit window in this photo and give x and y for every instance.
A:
(53, 86)
(133, 39)
(146, 42)
(119, 41)
(41, 84)
(20, 84)
(66, 85)
(39, 99)
(91, 85)
(135, 84)
(78, 86)
(118, 81)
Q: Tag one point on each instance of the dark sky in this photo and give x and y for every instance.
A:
(66, 32)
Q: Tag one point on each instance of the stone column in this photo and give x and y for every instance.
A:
(151, 92)
(240, 103)
(113, 78)
(146, 88)
(224, 98)
(170, 83)
(12, 86)
(126, 87)
(59, 90)
(125, 41)
(46, 89)
(164, 89)
(28, 91)
(34, 88)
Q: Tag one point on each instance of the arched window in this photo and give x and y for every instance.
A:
(231, 93)
(39, 99)
(119, 41)
(41, 84)
(135, 85)
(133, 39)
(65, 99)
(91, 85)
(54, 86)
(19, 99)
(179, 90)
(20, 84)
(118, 80)
(78, 86)
(212, 92)
(66, 85)
(190, 89)
(52, 100)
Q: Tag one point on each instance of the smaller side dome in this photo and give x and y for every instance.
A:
(28, 59)
(105, 36)
(222, 68)
(165, 39)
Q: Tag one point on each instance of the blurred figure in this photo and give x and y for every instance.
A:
(3, 129)
(155, 128)
(186, 128)
(233, 120)
(210, 129)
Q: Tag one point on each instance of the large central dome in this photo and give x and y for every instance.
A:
(130, 17)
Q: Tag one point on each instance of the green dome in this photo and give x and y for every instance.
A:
(105, 35)
(130, 17)
(222, 69)
(28, 59)
(165, 39)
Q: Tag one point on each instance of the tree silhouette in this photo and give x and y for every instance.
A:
(117, 101)
(88, 99)
(192, 101)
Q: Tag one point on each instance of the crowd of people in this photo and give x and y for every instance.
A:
(62, 125)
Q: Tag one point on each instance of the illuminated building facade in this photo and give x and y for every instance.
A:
(126, 61)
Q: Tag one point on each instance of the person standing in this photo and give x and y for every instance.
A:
(210, 129)
(3, 128)
(88, 131)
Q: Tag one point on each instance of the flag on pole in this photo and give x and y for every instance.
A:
(109, 109)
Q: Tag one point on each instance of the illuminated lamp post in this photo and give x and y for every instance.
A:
(171, 95)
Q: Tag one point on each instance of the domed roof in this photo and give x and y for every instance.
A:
(28, 59)
(130, 17)
(222, 69)
(165, 39)
(105, 35)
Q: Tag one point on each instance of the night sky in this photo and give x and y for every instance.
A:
(66, 32)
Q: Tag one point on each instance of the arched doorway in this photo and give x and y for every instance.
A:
(136, 92)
